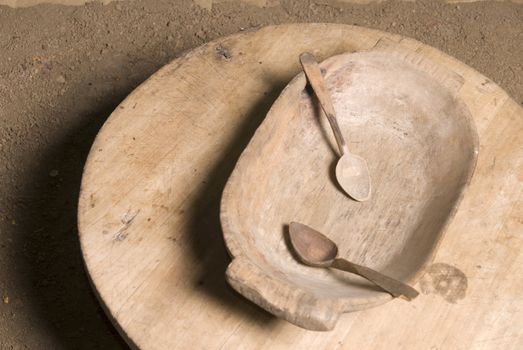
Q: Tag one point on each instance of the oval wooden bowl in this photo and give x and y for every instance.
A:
(401, 113)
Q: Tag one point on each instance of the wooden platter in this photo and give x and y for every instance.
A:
(400, 112)
(149, 209)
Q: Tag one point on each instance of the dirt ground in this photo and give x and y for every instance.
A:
(64, 69)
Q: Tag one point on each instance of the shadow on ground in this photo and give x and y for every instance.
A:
(52, 265)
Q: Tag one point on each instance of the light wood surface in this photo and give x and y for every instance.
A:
(150, 230)
(401, 113)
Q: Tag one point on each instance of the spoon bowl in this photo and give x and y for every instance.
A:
(312, 247)
(352, 174)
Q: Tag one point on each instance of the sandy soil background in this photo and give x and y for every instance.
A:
(64, 69)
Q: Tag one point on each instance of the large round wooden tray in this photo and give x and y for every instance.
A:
(149, 208)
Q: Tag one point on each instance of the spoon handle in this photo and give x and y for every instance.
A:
(313, 73)
(389, 284)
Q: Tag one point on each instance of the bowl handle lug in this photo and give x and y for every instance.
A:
(278, 296)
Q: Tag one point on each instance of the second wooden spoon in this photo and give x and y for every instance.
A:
(315, 249)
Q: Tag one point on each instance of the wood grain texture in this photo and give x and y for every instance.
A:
(148, 211)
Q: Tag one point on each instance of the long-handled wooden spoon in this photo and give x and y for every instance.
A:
(315, 249)
(352, 172)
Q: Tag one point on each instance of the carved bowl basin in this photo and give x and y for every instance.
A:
(400, 112)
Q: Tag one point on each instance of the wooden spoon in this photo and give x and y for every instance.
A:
(352, 172)
(315, 249)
